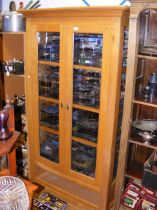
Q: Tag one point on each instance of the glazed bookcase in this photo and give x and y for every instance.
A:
(140, 105)
(73, 79)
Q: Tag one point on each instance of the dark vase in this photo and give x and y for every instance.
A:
(5, 133)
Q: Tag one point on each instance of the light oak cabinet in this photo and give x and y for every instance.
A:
(73, 79)
(138, 137)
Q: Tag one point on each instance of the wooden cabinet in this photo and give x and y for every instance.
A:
(13, 48)
(138, 138)
(73, 79)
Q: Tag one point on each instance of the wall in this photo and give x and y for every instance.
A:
(63, 3)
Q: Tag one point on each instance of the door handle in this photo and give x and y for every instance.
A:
(62, 106)
(67, 107)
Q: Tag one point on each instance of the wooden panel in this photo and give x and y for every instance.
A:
(14, 84)
(13, 46)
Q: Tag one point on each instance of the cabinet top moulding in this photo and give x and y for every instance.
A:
(107, 11)
(2, 32)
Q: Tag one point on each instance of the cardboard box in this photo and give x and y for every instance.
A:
(149, 179)
(47, 201)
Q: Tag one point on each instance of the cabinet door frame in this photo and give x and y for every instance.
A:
(109, 80)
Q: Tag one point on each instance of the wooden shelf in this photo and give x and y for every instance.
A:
(5, 172)
(49, 63)
(150, 57)
(86, 108)
(48, 99)
(142, 102)
(8, 145)
(84, 141)
(87, 68)
(3, 32)
(153, 143)
(15, 75)
(49, 129)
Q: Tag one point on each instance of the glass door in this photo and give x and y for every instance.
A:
(87, 64)
(48, 94)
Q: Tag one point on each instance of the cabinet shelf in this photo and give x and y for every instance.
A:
(150, 57)
(86, 108)
(153, 144)
(142, 102)
(49, 130)
(16, 75)
(87, 68)
(48, 99)
(84, 141)
(11, 33)
(49, 63)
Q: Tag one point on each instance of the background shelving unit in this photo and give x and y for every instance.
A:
(13, 45)
(139, 103)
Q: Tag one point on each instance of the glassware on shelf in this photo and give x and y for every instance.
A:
(86, 88)
(49, 114)
(49, 146)
(48, 77)
(147, 129)
(88, 49)
(83, 159)
(85, 125)
(48, 46)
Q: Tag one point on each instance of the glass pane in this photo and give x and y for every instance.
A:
(88, 49)
(49, 114)
(49, 146)
(48, 81)
(85, 125)
(83, 158)
(48, 46)
(86, 88)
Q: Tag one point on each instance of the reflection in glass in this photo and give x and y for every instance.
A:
(86, 88)
(49, 146)
(48, 77)
(88, 49)
(49, 114)
(48, 46)
(85, 125)
(83, 158)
